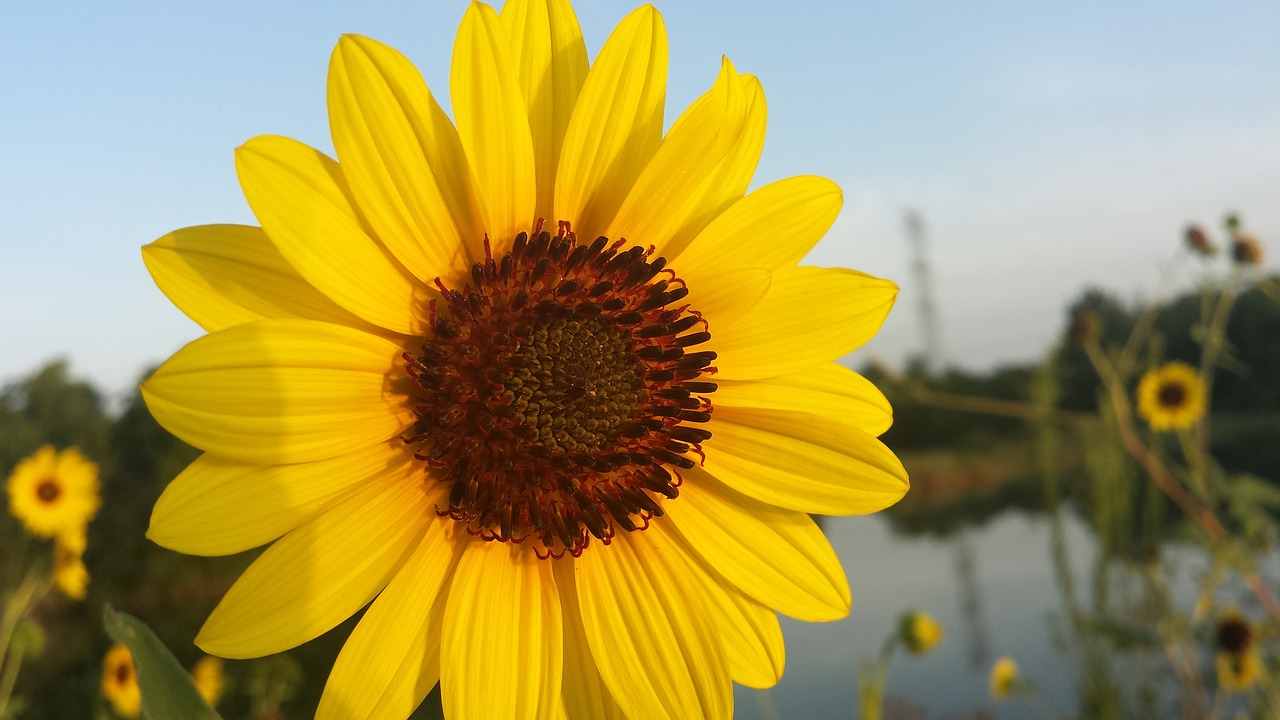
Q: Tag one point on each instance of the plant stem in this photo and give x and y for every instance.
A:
(17, 606)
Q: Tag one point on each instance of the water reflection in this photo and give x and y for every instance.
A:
(1024, 584)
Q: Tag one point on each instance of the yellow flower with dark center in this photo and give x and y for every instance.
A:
(69, 572)
(54, 492)
(1004, 678)
(1238, 672)
(1171, 396)
(919, 632)
(547, 387)
(209, 679)
(120, 682)
(1238, 662)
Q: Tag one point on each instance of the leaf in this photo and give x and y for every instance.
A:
(167, 689)
(28, 638)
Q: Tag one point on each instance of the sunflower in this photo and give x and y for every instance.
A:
(546, 387)
(919, 632)
(1238, 662)
(1004, 678)
(54, 493)
(120, 682)
(209, 679)
(69, 572)
(1171, 396)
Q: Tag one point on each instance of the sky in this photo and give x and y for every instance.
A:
(1048, 146)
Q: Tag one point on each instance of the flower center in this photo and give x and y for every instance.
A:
(1234, 636)
(557, 393)
(123, 672)
(48, 490)
(1172, 395)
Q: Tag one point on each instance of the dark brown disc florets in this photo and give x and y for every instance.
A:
(1172, 395)
(1234, 635)
(558, 395)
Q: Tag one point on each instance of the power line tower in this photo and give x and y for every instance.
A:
(971, 606)
(926, 308)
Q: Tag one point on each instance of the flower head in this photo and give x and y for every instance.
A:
(54, 492)
(1171, 397)
(1246, 249)
(1004, 678)
(547, 384)
(120, 682)
(69, 572)
(209, 679)
(1238, 662)
(1198, 241)
(919, 632)
(1238, 672)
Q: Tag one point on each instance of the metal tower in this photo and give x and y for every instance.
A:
(931, 351)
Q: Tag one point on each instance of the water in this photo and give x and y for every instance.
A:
(1009, 602)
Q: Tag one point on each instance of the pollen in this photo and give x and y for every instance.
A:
(561, 391)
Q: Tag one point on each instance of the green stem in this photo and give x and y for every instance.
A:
(1147, 320)
(23, 599)
(768, 709)
(1193, 453)
(9, 677)
(1215, 339)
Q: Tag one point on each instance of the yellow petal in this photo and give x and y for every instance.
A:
(551, 65)
(301, 198)
(830, 389)
(224, 275)
(501, 655)
(673, 186)
(616, 124)
(584, 693)
(321, 573)
(392, 659)
(750, 633)
(281, 391)
(809, 317)
(653, 641)
(779, 557)
(219, 506)
(731, 296)
(403, 160)
(726, 184)
(773, 227)
(493, 123)
(812, 463)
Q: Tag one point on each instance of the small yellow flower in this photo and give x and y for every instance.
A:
(209, 679)
(1238, 672)
(1239, 664)
(53, 493)
(120, 682)
(919, 632)
(1171, 396)
(69, 573)
(1004, 676)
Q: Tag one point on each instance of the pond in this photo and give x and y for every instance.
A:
(996, 592)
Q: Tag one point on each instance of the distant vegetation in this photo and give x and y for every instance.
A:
(1246, 394)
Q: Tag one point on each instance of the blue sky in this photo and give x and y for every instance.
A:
(1049, 146)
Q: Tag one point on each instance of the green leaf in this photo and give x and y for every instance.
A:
(167, 689)
(28, 638)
